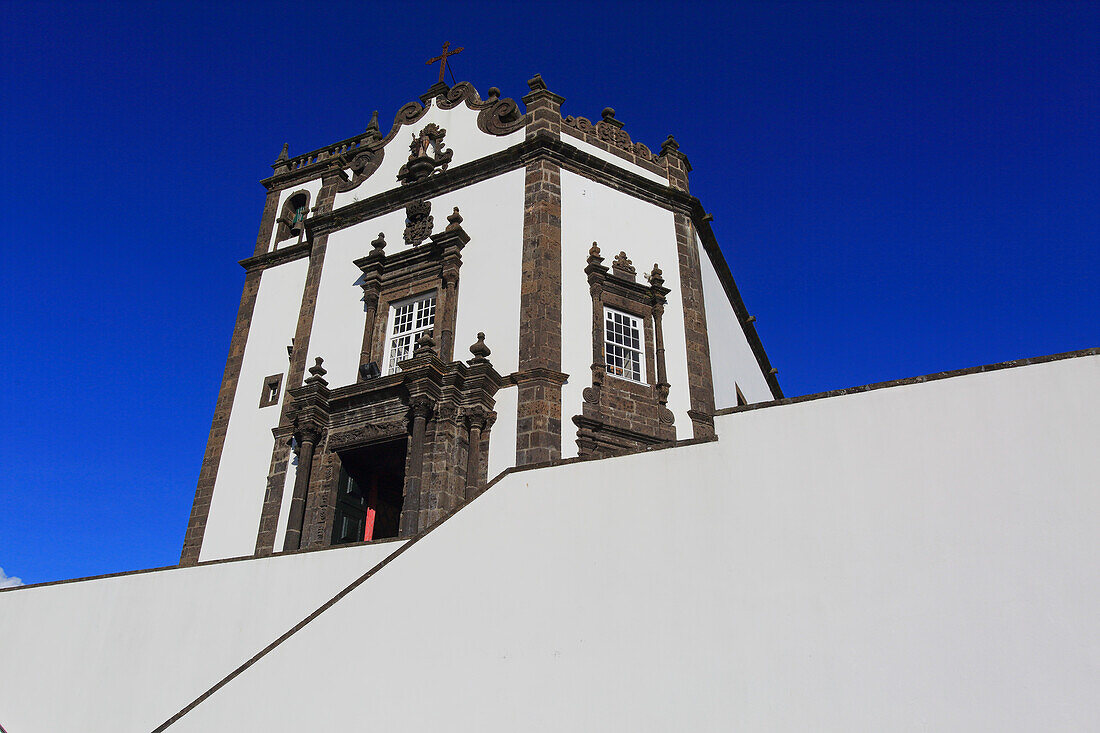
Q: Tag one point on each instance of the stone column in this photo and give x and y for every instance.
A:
(414, 467)
(476, 420)
(306, 439)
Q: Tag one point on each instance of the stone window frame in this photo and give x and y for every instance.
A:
(389, 302)
(412, 272)
(272, 390)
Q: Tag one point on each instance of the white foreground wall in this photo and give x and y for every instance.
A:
(124, 653)
(921, 557)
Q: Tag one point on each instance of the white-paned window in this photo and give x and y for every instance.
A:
(622, 345)
(409, 319)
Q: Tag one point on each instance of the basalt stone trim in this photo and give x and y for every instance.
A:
(543, 110)
(538, 427)
(541, 147)
(200, 508)
(701, 221)
(267, 223)
(700, 382)
(276, 257)
(273, 498)
(934, 377)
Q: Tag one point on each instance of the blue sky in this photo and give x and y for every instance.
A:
(900, 188)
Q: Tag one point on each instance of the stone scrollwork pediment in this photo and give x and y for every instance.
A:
(496, 115)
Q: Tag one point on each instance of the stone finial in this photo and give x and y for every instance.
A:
(669, 145)
(608, 116)
(372, 126)
(317, 373)
(494, 94)
(454, 221)
(656, 277)
(594, 254)
(378, 246)
(623, 267)
(285, 154)
(424, 345)
(536, 83)
(479, 349)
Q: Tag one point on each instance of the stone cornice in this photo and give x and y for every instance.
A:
(277, 257)
(513, 158)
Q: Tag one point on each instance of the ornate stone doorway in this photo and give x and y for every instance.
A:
(369, 493)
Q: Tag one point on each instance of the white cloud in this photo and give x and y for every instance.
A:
(6, 581)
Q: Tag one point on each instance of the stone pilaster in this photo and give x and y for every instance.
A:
(273, 499)
(538, 428)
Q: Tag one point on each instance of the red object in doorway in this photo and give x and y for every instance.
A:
(372, 501)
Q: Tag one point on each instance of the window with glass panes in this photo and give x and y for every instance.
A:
(622, 346)
(409, 319)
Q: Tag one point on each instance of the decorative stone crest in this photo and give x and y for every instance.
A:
(427, 153)
(623, 267)
(418, 222)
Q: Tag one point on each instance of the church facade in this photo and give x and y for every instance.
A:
(482, 287)
(531, 309)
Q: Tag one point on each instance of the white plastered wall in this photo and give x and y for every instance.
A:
(463, 137)
(915, 558)
(124, 654)
(618, 222)
(733, 363)
(313, 188)
(235, 506)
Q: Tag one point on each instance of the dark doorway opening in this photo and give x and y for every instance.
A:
(370, 493)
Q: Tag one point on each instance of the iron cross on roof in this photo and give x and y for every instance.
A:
(442, 58)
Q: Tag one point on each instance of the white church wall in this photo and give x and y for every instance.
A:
(915, 558)
(593, 212)
(733, 362)
(288, 496)
(502, 439)
(123, 654)
(239, 489)
(489, 280)
(313, 188)
(463, 137)
(615, 160)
